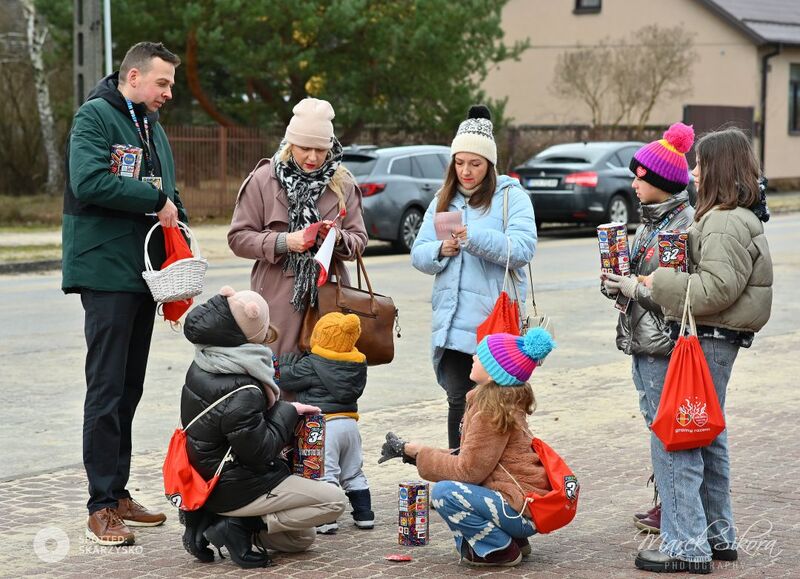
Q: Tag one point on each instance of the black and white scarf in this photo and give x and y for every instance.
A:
(303, 191)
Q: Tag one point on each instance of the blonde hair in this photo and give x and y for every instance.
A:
(340, 179)
(500, 404)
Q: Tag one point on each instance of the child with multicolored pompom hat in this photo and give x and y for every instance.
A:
(480, 492)
(661, 177)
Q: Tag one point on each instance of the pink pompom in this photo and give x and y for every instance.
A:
(227, 291)
(680, 136)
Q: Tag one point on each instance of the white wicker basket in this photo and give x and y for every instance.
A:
(180, 280)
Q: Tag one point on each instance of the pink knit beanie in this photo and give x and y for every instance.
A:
(251, 313)
(311, 124)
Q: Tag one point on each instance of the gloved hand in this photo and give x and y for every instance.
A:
(305, 408)
(625, 284)
(393, 448)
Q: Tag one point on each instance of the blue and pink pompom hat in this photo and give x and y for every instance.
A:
(663, 163)
(510, 360)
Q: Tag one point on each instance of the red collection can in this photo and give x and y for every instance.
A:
(673, 249)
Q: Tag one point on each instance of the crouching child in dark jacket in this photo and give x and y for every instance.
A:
(333, 377)
(257, 500)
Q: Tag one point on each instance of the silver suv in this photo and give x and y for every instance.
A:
(397, 184)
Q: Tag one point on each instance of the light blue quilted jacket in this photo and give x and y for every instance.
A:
(468, 284)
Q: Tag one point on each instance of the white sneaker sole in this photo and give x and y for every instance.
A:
(115, 543)
(365, 524)
(327, 529)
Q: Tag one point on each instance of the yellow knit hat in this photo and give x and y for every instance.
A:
(337, 332)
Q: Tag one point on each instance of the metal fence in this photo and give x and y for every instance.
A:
(212, 162)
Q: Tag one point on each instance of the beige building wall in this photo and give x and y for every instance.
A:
(782, 150)
(726, 71)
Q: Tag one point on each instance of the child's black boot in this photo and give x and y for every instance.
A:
(361, 501)
(236, 535)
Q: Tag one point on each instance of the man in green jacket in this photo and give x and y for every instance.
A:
(106, 218)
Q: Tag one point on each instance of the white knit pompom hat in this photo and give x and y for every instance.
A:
(476, 135)
(311, 124)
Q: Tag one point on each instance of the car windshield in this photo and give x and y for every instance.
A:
(559, 156)
(359, 165)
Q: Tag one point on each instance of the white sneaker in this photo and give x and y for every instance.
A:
(328, 529)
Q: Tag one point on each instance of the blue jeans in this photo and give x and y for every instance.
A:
(480, 515)
(694, 485)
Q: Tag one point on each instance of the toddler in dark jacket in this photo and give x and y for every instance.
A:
(332, 376)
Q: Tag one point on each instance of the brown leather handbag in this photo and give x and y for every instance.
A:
(378, 314)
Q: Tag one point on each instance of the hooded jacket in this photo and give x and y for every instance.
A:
(105, 221)
(642, 330)
(333, 385)
(468, 284)
(255, 431)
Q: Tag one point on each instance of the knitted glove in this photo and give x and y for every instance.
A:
(625, 284)
(393, 448)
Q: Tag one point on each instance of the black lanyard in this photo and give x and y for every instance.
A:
(640, 248)
(143, 136)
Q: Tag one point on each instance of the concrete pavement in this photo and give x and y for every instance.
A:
(587, 411)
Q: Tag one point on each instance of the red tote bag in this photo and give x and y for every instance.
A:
(556, 508)
(184, 487)
(689, 415)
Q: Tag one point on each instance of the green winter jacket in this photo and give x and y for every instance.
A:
(105, 222)
(731, 272)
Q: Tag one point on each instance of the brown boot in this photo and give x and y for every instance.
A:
(106, 528)
(137, 515)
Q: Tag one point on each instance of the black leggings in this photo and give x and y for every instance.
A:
(454, 372)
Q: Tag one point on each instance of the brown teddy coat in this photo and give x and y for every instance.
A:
(482, 452)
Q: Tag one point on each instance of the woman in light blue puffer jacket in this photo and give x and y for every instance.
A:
(470, 267)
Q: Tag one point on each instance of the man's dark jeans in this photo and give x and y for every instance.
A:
(118, 328)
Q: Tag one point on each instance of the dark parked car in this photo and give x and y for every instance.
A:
(582, 182)
(397, 184)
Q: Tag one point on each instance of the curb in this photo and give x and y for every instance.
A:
(29, 266)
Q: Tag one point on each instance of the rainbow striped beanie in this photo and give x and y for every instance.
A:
(510, 360)
(663, 163)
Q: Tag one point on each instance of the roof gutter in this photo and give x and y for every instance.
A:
(763, 105)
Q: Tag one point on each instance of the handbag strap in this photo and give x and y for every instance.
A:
(687, 313)
(513, 273)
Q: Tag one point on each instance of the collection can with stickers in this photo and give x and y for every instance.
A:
(309, 453)
(413, 509)
(614, 251)
(673, 249)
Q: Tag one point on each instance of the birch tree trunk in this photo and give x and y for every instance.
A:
(36, 39)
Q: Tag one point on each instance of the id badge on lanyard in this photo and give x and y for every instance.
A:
(144, 136)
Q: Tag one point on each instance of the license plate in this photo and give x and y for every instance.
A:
(541, 183)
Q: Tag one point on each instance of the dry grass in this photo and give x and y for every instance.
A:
(30, 211)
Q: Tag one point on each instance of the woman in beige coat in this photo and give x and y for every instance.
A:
(304, 182)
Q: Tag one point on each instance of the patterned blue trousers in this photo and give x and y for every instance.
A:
(480, 516)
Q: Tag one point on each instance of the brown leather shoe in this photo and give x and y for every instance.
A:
(137, 515)
(106, 528)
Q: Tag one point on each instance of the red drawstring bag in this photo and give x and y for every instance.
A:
(177, 248)
(689, 414)
(504, 318)
(557, 508)
(184, 487)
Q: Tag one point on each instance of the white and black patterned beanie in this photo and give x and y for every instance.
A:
(476, 135)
